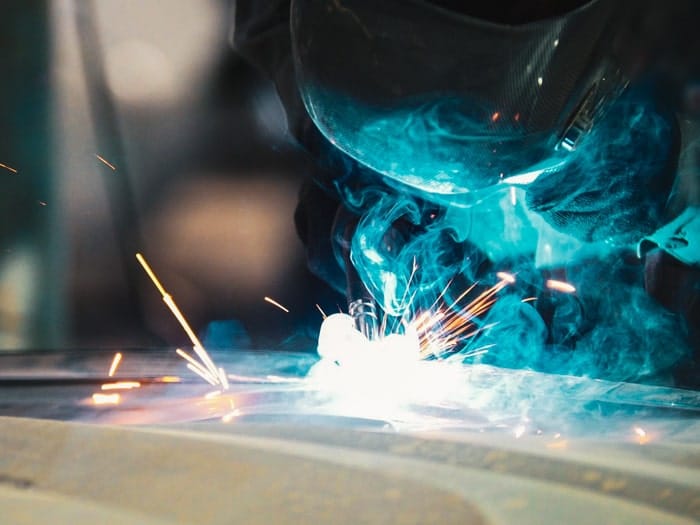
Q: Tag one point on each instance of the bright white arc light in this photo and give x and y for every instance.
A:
(339, 340)
(373, 378)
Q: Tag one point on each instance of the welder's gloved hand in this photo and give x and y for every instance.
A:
(616, 183)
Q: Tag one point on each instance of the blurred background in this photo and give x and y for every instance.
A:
(131, 126)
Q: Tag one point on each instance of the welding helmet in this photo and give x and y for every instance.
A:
(452, 101)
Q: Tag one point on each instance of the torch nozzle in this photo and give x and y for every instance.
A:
(364, 312)
(361, 305)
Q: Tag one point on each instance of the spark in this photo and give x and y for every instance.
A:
(150, 273)
(105, 162)
(540, 80)
(507, 277)
(8, 168)
(642, 436)
(205, 376)
(323, 314)
(439, 331)
(115, 364)
(513, 196)
(106, 399)
(121, 385)
(560, 286)
(275, 303)
(529, 299)
(207, 370)
(442, 330)
(479, 351)
(169, 379)
(41, 203)
(496, 115)
(198, 368)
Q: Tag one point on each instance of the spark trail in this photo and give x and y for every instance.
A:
(439, 331)
(205, 367)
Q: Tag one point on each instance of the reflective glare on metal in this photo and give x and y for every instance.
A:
(106, 399)
(115, 364)
(120, 385)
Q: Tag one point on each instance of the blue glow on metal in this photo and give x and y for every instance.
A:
(599, 199)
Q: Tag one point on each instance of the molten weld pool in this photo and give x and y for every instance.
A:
(295, 438)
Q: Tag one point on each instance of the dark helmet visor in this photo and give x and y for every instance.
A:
(440, 101)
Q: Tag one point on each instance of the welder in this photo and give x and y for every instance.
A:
(567, 108)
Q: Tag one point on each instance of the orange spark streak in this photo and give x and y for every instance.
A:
(200, 369)
(169, 379)
(170, 303)
(275, 303)
(323, 314)
(206, 377)
(8, 168)
(440, 332)
(121, 385)
(115, 363)
(106, 399)
(642, 436)
(560, 286)
(455, 336)
(507, 277)
(461, 296)
(150, 273)
(106, 163)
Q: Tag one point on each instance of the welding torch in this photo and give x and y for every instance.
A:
(361, 305)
